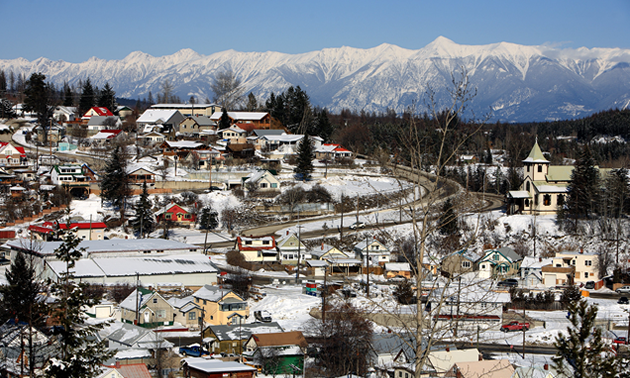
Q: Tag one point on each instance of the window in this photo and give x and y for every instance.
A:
(528, 168)
(585, 274)
(588, 263)
(483, 267)
(265, 242)
(547, 200)
(400, 374)
(527, 202)
(161, 314)
(560, 200)
(197, 300)
(540, 168)
(535, 199)
(263, 184)
(527, 187)
(169, 216)
(192, 315)
(154, 300)
(465, 264)
(274, 185)
(187, 216)
(573, 262)
(495, 257)
(248, 242)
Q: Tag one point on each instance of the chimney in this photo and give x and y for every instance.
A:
(448, 349)
(287, 232)
(581, 251)
(546, 366)
(322, 246)
(540, 259)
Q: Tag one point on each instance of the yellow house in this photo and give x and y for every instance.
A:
(219, 305)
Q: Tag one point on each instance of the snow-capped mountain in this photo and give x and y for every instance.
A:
(514, 82)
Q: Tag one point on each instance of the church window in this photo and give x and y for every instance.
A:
(527, 187)
(535, 199)
(560, 200)
(528, 168)
(540, 168)
(547, 200)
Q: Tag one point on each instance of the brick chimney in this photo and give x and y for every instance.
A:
(546, 366)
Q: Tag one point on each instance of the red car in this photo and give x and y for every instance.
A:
(620, 340)
(515, 326)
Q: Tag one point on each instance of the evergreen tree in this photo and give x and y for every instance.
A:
(68, 96)
(252, 104)
(583, 191)
(304, 166)
(616, 191)
(448, 219)
(6, 109)
(143, 221)
(19, 296)
(107, 98)
(3, 83)
(11, 82)
(88, 98)
(322, 126)
(150, 99)
(582, 352)
(224, 121)
(82, 354)
(37, 100)
(114, 185)
(209, 219)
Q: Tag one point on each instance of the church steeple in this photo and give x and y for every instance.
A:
(536, 166)
(536, 155)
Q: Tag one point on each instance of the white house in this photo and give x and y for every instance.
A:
(262, 180)
(288, 248)
(571, 268)
(376, 251)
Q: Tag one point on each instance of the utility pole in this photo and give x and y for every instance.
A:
(324, 294)
(203, 315)
(137, 298)
(367, 262)
(297, 268)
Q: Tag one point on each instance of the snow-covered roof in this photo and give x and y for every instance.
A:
(129, 266)
(212, 293)
(243, 331)
(398, 266)
(544, 187)
(240, 116)
(317, 263)
(518, 194)
(535, 155)
(108, 246)
(183, 144)
(535, 262)
(156, 115)
(211, 366)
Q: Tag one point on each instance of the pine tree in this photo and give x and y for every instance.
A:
(582, 352)
(68, 96)
(6, 109)
(209, 219)
(583, 191)
(114, 185)
(448, 220)
(19, 296)
(88, 98)
(107, 98)
(305, 157)
(224, 121)
(143, 221)
(3, 83)
(37, 100)
(252, 104)
(81, 352)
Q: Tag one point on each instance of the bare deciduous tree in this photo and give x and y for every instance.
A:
(227, 89)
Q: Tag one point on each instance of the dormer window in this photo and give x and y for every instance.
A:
(540, 168)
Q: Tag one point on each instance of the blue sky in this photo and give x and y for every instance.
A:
(74, 31)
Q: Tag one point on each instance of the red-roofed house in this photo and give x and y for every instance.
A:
(12, 156)
(48, 231)
(97, 111)
(332, 151)
(125, 371)
(257, 249)
(175, 213)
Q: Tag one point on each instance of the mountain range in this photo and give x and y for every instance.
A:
(514, 83)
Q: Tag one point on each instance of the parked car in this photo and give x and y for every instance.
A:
(623, 300)
(515, 326)
(508, 282)
(356, 225)
(620, 340)
(193, 350)
(590, 285)
(623, 290)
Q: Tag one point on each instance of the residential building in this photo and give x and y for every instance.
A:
(288, 248)
(262, 180)
(99, 123)
(64, 113)
(499, 263)
(196, 124)
(169, 119)
(14, 341)
(230, 338)
(568, 268)
(459, 262)
(190, 109)
(233, 135)
(139, 174)
(132, 338)
(97, 111)
(220, 306)
(187, 312)
(402, 270)
(152, 309)
(277, 353)
(331, 151)
(175, 213)
(75, 177)
(84, 230)
(125, 371)
(151, 138)
(262, 120)
(372, 249)
(481, 369)
(262, 249)
(12, 156)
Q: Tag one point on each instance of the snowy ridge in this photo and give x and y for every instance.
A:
(520, 83)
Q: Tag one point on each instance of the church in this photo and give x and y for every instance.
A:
(544, 188)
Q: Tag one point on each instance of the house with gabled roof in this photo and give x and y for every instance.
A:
(99, 123)
(288, 248)
(129, 337)
(196, 124)
(499, 263)
(220, 306)
(169, 119)
(262, 180)
(125, 371)
(277, 353)
(84, 230)
(460, 262)
(233, 135)
(187, 312)
(230, 338)
(12, 156)
(258, 249)
(332, 151)
(175, 213)
(261, 119)
(97, 111)
(199, 367)
(140, 174)
(374, 250)
(153, 309)
(325, 251)
(103, 137)
(14, 342)
(151, 138)
(76, 177)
